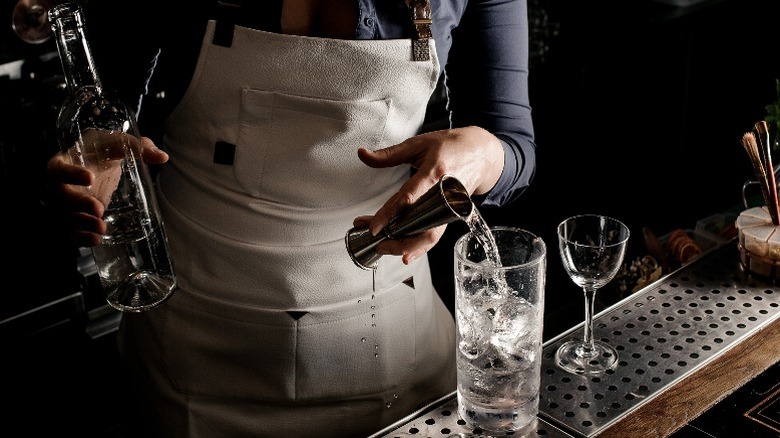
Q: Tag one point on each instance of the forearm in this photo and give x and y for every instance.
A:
(487, 85)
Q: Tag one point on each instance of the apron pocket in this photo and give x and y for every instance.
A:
(217, 349)
(219, 355)
(367, 351)
(303, 150)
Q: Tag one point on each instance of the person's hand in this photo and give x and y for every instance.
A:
(472, 155)
(80, 194)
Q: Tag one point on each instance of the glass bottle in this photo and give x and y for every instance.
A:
(100, 133)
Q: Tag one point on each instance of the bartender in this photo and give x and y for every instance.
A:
(283, 124)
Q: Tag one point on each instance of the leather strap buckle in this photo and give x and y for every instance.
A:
(420, 11)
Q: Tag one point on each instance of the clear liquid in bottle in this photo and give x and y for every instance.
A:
(100, 133)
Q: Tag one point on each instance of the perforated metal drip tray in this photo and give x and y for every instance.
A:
(440, 419)
(663, 333)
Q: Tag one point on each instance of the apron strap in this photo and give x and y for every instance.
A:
(246, 13)
(225, 13)
(420, 11)
(228, 13)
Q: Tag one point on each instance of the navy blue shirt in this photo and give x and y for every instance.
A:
(482, 46)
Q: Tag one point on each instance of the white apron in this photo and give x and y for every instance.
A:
(274, 331)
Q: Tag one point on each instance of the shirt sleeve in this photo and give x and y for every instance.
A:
(486, 78)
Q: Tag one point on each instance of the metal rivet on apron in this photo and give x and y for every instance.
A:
(296, 314)
(224, 153)
(409, 282)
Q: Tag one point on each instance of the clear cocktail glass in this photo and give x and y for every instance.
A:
(592, 248)
(499, 304)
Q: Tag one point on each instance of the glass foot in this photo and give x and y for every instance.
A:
(573, 357)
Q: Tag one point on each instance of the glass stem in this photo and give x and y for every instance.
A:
(587, 336)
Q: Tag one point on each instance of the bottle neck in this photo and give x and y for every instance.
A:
(75, 54)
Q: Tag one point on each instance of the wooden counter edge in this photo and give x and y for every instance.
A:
(689, 398)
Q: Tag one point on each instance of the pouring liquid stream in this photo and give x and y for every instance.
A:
(482, 232)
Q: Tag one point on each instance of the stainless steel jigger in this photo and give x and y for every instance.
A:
(445, 202)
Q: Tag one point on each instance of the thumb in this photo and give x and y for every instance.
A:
(387, 157)
(151, 153)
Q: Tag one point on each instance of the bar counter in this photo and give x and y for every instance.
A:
(685, 342)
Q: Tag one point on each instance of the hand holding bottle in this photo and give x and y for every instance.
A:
(117, 211)
(82, 209)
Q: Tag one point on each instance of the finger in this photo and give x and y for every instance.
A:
(61, 171)
(412, 247)
(397, 203)
(361, 221)
(85, 239)
(151, 154)
(83, 223)
(81, 229)
(70, 198)
(405, 152)
(410, 191)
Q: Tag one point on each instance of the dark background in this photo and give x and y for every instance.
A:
(638, 108)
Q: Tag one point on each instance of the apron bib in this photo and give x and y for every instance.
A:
(274, 331)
